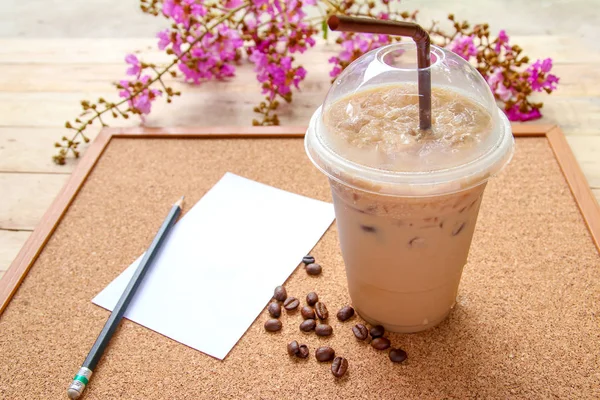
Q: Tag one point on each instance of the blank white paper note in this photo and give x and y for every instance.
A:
(221, 262)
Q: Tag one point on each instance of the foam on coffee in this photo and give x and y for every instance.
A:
(379, 128)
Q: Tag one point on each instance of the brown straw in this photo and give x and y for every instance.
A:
(397, 28)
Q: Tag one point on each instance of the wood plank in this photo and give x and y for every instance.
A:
(34, 244)
(597, 194)
(212, 103)
(575, 116)
(587, 153)
(26, 197)
(200, 107)
(563, 48)
(10, 244)
(74, 50)
(31, 150)
(576, 79)
(579, 187)
(519, 129)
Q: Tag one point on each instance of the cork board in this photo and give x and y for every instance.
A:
(526, 324)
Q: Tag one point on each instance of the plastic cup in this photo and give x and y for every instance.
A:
(407, 201)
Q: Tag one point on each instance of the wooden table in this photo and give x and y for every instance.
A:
(43, 80)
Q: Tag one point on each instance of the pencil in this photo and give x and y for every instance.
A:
(82, 378)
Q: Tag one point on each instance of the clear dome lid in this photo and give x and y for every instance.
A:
(366, 133)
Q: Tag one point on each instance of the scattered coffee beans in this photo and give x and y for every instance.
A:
(398, 355)
(323, 329)
(307, 312)
(303, 351)
(345, 313)
(308, 259)
(313, 269)
(321, 311)
(360, 331)
(377, 331)
(274, 309)
(280, 294)
(308, 325)
(298, 350)
(273, 325)
(380, 343)
(293, 348)
(325, 353)
(291, 303)
(339, 367)
(312, 298)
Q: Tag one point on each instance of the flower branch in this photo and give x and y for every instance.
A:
(209, 38)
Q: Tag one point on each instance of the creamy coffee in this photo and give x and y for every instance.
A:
(404, 255)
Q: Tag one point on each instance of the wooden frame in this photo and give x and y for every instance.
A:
(19, 268)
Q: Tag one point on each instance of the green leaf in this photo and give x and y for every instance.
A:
(325, 29)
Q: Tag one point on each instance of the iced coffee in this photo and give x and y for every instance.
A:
(407, 200)
(404, 255)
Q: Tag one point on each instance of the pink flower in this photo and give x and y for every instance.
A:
(173, 10)
(141, 101)
(496, 82)
(495, 77)
(502, 41)
(503, 92)
(213, 56)
(181, 11)
(354, 45)
(335, 71)
(514, 114)
(164, 39)
(539, 76)
(233, 3)
(251, 22)
(135, 66)
(259, 59)
(299, 76)
(463, 46)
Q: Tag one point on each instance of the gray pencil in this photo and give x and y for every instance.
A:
(82, 378)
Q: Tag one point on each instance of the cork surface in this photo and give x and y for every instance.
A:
(526, 324)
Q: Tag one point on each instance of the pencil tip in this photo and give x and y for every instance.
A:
(179, 202)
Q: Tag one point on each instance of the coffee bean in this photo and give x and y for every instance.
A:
(308, 259)
(377, 331)
(398, 355)
(360, 331)
(291, 303)
(274, 309)
(345, 313)
(312, 298)
(323, 330)
(308, 325)
(292, 348)
(313, 269)
(280, 294)
(380, 343)
(303, 351)
(321, 311)
(307, 312)
(339, 367)
(273, 325)
(325, 353)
